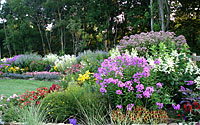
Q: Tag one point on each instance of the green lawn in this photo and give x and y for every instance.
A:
(17, 86)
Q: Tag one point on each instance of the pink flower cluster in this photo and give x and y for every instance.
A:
(42, 73)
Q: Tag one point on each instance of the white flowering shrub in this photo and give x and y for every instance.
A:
(51, 58)
(64, 62)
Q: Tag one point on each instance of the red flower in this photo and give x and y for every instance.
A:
(195, 103)
(42, 94)
(30, 99)
(24, 103)
(198, 107)
(33, 92)
(35, 97)
(27, 102)
(178, 115)
(45, 88)
(185, 107)
(22, 99)
(190, 108)
(38, 102)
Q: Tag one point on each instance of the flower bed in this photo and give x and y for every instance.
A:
(133, 85)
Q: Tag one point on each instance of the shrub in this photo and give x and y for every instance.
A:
(65, 62)
(17, 76)
(63, 105)
(91, 60)
(39, 65)
(51, 58)
(144, 41)
(130, 80)
(46, 77)
(8, 108)
(25, 60)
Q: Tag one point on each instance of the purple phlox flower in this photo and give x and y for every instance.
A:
(189, 83)
(137, 75)
(146, 94)
(146, 72)
(130, 88)
(103, 90)
(139, 96)
(72, 121)
(121, 84)
(119, 106)
(119, 92)
(182, 88)
(157, 61)
(137, 80)
(150, 89)
(159, 85)
(139, 87)
(160, 105)
(129, 107)
(128, 83)
(176, 107)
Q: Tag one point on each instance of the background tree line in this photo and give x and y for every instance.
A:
(71, 26)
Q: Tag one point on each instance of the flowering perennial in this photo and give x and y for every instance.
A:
(126, 78)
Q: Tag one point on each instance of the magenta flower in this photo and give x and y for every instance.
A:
(159, 85)
(176, 107)
(139, 87)
(119, 92)
(182, 88)
(129, 107)
(103, 90)
(189, 83)
(146, 94)
(119, 106)
(160, 105)
(157, 61)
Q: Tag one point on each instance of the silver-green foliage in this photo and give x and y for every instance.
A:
(25, 60)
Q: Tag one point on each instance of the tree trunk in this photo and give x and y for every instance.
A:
(43, 44)
(48, 42)
(152, 20)
(162, 14)
(6, 35)
(61, 32)
(168, 14)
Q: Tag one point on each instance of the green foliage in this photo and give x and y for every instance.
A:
(25, 60)
(32, 115)
(91, 60)
(39, 65)
(63, 105)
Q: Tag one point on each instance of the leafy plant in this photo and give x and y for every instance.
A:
(131, 80)
(39, 65)
(91, 60)
(145, 42)
(25, 60)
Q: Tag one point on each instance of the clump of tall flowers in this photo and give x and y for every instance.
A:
(129, 80)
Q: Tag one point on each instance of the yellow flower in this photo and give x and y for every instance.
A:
(55, 68)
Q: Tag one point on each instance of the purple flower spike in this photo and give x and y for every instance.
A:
(72, 121)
